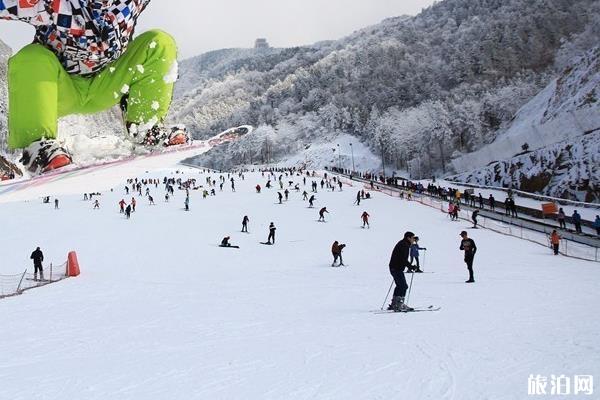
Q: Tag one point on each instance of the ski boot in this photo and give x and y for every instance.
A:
(158, 134)
(398, 305)
(45, 155)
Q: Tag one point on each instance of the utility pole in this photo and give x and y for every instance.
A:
(382, 157)
(352, 151)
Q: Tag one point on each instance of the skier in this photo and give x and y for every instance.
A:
(83, 60)
(399, 261)
(469, 247)
(38, 257)
(225, 242)
(365, 219)
(555, 241)
(561, 217)
(336, 251)
(186, 203)
(304, 196)
(414, 255)
(279, 196)
(271, 233)
(340, 185)
(56, 204)
(311, 201)
(576, 218)
(128, 211)
(322, 212)
(96, 204)
(133, 203)
(357, 201)
(122, 206)
(151, 200)
(245, 221)
(257, 188)
(474, 216)
(286, 194)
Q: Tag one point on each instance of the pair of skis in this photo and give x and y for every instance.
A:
(415, 309)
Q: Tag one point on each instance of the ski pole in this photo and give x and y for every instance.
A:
(410, 287)
(388, 294)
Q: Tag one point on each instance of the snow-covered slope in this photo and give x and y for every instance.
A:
(160, 311)
(569, 107)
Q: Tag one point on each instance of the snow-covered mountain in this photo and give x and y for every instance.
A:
(566, 109)
(560, 131)
(429, 89)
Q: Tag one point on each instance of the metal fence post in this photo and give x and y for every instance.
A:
(21, 281)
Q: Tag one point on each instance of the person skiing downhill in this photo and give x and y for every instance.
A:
(469, 247)
(38, 257)
(311, 201)
(336, 251)
(365, 219)
(398, 262)
(245, 221)
(83, 60)
(271, 233)
(322, 212)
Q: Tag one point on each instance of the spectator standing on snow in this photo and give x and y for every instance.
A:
(555, 241)
(336, 251)
(469, 247)
(597, 225)
(561, 218)
(576, 218)
(492, 201)
(38, 257)
(398, 262)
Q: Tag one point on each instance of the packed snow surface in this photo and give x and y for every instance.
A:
(160, 311)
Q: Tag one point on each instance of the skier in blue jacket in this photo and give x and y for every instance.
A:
(414, 255)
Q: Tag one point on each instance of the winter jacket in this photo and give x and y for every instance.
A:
(37, 256)
(576, 217)
(555, 238)
(85, 35)
(399, 259)
(468, 245)
(414, 250)
(597, 223)
(335, 248)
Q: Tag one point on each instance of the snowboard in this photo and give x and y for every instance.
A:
(230, 247)
(75, 168)
(267, 243)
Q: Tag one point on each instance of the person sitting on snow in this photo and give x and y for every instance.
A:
(83, 60)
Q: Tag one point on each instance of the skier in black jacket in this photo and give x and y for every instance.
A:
(468, 245)
(398, 262)
(37, 256)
